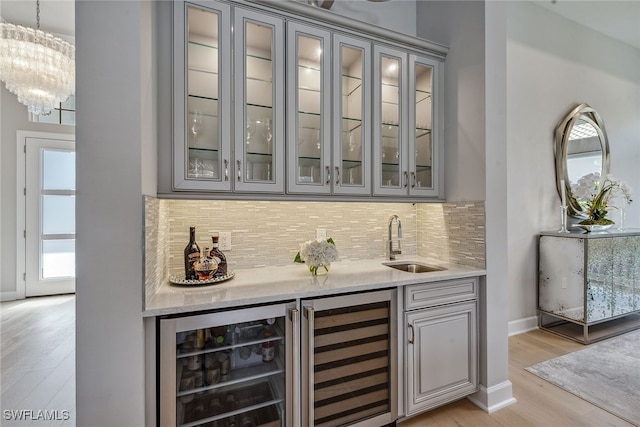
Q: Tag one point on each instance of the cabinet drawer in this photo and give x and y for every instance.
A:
(438, 293)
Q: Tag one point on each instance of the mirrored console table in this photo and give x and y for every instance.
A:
(589, 284)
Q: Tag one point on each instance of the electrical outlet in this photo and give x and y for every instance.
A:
(321, 233)
(225, 240)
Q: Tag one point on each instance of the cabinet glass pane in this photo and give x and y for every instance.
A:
(309, 104)
(424, 146)
(258, 124)
(352, 106)
(202, 89)
(390, 127)
(232, 374)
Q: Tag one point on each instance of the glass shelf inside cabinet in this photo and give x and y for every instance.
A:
(256, 401)
(420, 132)
(422, 96)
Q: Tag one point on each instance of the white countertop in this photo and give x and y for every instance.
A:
(272, 284)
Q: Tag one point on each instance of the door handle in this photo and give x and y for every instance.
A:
(412, 333)
(239, 170)
(226, 170)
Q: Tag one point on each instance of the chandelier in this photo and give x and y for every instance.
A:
(36, 66)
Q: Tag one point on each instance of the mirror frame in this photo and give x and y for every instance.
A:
(563, 130)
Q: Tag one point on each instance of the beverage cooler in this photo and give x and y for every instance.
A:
(229, 369)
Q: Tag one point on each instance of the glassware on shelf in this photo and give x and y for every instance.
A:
(196, 126)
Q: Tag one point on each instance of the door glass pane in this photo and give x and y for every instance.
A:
(352, 106)
(390, 113)
(58, 214)
(424, 146)
(259, 44)
(58, 170)
(309, 104)
(58, 258)
(202, 99)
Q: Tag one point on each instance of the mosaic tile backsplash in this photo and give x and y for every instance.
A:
(270, 232)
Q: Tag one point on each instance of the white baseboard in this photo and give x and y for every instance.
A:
(493, 398)
(8, 296)
(521, 326)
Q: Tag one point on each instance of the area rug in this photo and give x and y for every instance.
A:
(605, 374)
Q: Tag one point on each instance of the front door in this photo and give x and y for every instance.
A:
(50, 234)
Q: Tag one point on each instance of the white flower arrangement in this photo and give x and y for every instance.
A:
(317, 254)
(592, 193)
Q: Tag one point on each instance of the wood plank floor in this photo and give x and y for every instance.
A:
(38, 373)
(37, 361)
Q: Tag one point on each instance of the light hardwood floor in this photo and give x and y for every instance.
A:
(38, 372)
(37, 349)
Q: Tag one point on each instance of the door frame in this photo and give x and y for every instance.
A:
(21, 201)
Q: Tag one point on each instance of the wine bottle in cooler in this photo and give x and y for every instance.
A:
(191, 256)
(217, 254)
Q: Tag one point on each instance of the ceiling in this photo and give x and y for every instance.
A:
(617, 19)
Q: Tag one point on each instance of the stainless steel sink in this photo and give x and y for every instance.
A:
(413, 267)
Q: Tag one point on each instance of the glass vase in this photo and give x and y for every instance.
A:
(320, 270)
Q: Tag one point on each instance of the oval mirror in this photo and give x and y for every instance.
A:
(581, 148)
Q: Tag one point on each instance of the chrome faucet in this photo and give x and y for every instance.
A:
(391, 252)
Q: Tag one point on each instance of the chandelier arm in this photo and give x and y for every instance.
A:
(37, 14)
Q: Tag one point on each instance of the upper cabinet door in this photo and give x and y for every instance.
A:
(424, 141)
(202, 101)
(259, 102)
(390, 122)
(308, 109)
(351, 115)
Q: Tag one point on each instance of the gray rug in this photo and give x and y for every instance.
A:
(605, 374)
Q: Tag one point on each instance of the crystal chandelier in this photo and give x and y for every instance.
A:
(36, 66)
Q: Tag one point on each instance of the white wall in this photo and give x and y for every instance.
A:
(554, 64)
(115, 130)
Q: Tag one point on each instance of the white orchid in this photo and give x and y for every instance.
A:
(593, 194)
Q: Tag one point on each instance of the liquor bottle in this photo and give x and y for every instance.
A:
(217, 255)
(191, 256)
(268, 350)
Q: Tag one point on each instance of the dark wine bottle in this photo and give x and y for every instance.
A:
(191, 256)
(217, 254)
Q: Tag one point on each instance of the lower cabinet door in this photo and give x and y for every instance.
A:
(442, 355)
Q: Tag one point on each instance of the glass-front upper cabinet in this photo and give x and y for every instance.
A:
(202, 153)
(424, 164)
(407, 124)
(390, 118)
(352, 112)
(259, 102)
(308, 109)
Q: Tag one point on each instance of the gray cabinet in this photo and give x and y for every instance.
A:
(587, 280)
(407, 100)
(310, 135)
(442, 343)
(202, 97)
(259, 102)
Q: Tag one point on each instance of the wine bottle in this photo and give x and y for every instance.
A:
(191, 256)
(217, 255)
